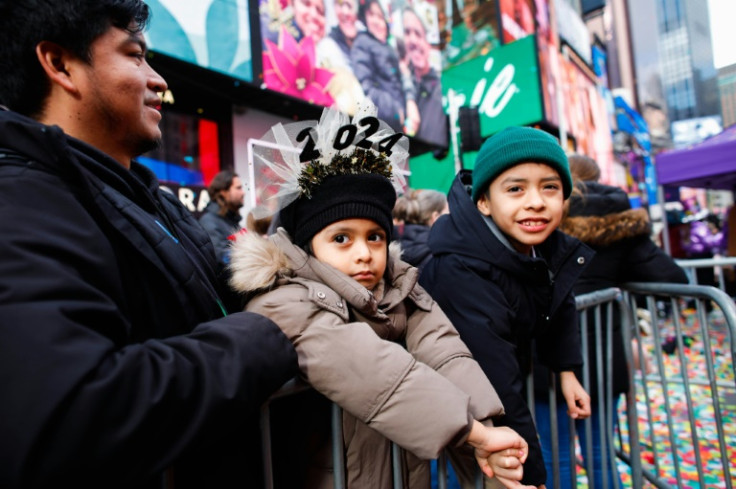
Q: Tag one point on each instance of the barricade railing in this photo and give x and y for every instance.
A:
(597, 311)
(720, 267)
(685, 400)
(673, 413)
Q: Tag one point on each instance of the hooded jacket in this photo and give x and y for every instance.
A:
(500, 300)
(602, 217)
(220, 228)
(115, 358)
(414, 247)
(390, 359)
(376, 66)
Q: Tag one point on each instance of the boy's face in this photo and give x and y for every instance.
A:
(526, 203)
(356, 247)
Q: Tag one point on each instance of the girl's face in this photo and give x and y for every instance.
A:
(309, 16)
(346, 17)
(526, 203)
(356, 247)
(376, 22)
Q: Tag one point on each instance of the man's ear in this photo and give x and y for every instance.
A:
(55, 61)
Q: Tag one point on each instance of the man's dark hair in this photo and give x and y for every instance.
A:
(222, 181)
(72, 24)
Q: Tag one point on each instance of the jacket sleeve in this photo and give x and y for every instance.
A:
(377, 381)
(434, 341)
(646, 262)
(77, 400)
(482, 316)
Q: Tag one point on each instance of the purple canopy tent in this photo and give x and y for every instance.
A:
(710, 164)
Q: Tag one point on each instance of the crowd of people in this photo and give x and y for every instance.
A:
(137, 345)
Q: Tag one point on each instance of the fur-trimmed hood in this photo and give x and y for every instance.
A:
(603, 216)
(256, 263)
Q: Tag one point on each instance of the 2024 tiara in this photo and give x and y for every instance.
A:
(299, 156)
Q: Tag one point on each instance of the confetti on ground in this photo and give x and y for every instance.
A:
(679, 440)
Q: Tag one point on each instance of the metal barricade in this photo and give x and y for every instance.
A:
(674, 429)
(672, 415)
(684, 402)
(596, 314)
(720, 267)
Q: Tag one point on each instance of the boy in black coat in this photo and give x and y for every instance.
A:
(503, 273)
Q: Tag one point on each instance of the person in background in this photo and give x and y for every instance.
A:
(117, 357)
(368, 338)
(433, 122)
(376, 66)
(422, 208)
(309, 17)
(503, 273)
(601, 216)
(333, 54)
(221, 218)
(344, 33)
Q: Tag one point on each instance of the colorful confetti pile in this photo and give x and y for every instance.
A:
(681, 452)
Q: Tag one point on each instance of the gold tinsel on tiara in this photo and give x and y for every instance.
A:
(361, 161)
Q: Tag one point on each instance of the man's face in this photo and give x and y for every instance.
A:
(309, 16)
(526, 203)
(416, 43)
(235, 195)
(119, 95)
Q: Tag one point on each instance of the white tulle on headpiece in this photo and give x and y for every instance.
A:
(298, 156)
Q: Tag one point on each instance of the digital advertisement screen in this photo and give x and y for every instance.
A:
(342, 52)
(504, 86)
(213, 34)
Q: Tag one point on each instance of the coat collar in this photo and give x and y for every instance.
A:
(259, 264)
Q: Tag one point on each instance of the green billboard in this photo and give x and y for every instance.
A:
(504, 85)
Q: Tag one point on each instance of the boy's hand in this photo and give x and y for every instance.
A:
(578, 401)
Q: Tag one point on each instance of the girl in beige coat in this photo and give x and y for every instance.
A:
(367, 336)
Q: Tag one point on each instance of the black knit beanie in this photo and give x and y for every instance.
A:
(365, 195)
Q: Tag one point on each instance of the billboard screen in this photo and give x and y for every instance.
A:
(213, 34)
(503, 85)
(341, 52)
(517, 19)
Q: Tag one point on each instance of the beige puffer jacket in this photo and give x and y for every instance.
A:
(423, 395)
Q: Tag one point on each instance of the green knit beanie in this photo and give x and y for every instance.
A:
(516, 145)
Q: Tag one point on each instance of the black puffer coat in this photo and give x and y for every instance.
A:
(602, 218)
(376, 66)
(113, 362)
(415, 245)
(499, 300)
